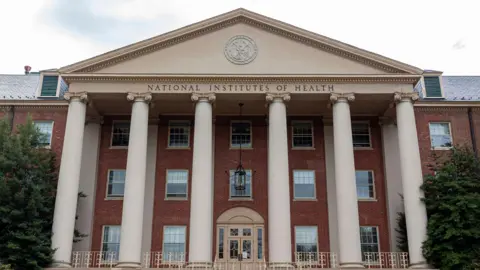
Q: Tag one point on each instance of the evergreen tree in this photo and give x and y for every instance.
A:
(27, 196)
(452, 198)
(402, 239)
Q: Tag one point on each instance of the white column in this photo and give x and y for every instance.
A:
(201, 208)
(345, 184)
(279, 228)
(69, 177)
(133, 200)
(410, 165)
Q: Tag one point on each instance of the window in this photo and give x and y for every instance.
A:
(111, 242)
(241, 133)
(361, 134)
(305, 243)
(116, 183)
(365, 186)
(440, 135)
(221, 233)
(120, 134)
(49, 86)
(179, 134)
(177, 181)
(433, 88)
(174, 243)
(369, 242)
(304, 184)
(302, 134)
(247, 192)
(259, 243)
(46, 129)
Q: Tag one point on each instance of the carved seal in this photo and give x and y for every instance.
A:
(241, 50)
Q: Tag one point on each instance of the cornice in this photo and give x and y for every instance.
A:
(440, 109)
(249, 18)
(200, 78)
(33, 104)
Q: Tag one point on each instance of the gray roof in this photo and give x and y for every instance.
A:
(456, 88)
(19, 87)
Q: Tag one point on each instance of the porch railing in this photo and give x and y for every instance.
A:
(303, 260)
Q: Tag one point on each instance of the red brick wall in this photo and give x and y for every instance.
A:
(310, 212)
(374, 212)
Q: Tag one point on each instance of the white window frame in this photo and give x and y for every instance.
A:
(111, 134)
(378, 243)
(52, 123)
(230, 187)
(450, 133)
(185, 124)
(244, 146)
(184, 244)
(295, 232)
(166, 185)
(108, 196)
(102, 242)
(374, 198)
(369, 147)
(314, 186)
(294, 122)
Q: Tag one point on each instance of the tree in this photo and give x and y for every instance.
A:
(452, 199)
(27, 197)
(402, 239)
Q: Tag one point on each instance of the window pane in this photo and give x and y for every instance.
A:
(45, 128)
(361, 134)
(121, 134)
(247, 192)
(302, 135)
(368, 240)
(440, 135)
(179, 134)
(111, 241)
(174, 243)
(306, 239)
(221, 232)
(259, 243)
(177, 181)
(304, 184)
(365, 185)
(116, 183)
(241, 133)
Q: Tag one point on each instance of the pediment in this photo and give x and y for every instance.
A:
(280, 49)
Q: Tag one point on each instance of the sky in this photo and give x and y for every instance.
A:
(440, 35)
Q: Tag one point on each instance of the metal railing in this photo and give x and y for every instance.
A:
(316, 260)
(386, 260)
(94, 259)
(158, 259)
(240, 265)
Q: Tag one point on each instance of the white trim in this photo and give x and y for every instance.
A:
(370, 147)
(249, 198)
(111, 134)
(313, 135)
(374, 198)
(166, 185)
(251, 134)
(449, 130)
(107, 197)
(187, 125)
(314, 186)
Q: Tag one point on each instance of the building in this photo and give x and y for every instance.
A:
(329, 136)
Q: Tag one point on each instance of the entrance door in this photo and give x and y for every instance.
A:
(240, 247)
(240, 244)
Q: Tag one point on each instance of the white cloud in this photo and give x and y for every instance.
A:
(420, 33)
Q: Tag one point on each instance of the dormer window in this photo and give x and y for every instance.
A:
(433, 87)
(49, 86)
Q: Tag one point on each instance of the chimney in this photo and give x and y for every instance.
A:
(27, 69)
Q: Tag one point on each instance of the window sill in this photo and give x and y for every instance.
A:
(303, 148)
(305, 200)
(367, 200)
(243, 148)
(113, 198)
(362, 148)
(441, 148)
(176, 199)
(118, 147)
(178, 148)
(241, 199)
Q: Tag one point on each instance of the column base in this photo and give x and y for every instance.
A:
(128, 265)
(351, 265)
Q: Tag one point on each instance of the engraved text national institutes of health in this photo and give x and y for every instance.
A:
(241, 88)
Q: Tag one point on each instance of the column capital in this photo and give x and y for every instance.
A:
(70, 96)
(339, 97)
(270, 97)
(210, 97)
(403, 96)
(145, 97)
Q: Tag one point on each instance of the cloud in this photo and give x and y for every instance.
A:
(105, 21)
(459, 45)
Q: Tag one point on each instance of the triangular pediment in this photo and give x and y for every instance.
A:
(211, 47)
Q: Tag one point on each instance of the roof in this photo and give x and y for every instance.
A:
(19, 87)
(456, 88)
